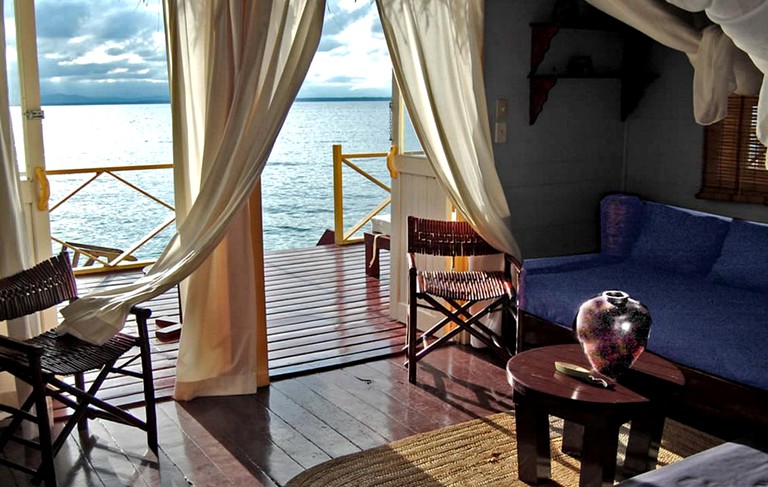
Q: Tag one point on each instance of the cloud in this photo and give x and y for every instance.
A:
(352, 59)
(117, 48)
(105, 48)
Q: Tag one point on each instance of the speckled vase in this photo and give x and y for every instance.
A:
(613, 331)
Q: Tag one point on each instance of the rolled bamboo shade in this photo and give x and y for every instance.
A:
(734, 159)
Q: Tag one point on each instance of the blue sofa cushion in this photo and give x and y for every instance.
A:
(620, 222)
(744, 257)
(677, 240)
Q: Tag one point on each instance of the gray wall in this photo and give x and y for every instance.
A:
(555, 171)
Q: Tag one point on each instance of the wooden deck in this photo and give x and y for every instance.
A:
(322, 312)
(265, 439)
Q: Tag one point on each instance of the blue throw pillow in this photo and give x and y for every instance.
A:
(743, 261)
(676, 240)
(620, 218)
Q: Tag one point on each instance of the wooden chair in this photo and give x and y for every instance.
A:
(453, 293)
(94, 253)
(43, 360)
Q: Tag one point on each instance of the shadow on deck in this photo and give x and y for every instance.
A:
(322, 312)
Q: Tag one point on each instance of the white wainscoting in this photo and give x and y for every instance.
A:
(415, 191)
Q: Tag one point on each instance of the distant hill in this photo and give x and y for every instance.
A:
(62, 99)
(346, 98)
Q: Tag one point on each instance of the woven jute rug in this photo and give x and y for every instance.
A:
(481, 452)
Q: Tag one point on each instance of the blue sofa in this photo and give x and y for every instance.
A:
(704, 279)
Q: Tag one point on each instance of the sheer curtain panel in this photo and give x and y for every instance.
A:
(436, 51)
(235, 68)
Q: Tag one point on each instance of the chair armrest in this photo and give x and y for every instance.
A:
(141, 312)
(512, 262)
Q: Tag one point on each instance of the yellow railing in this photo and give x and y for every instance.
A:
(342, 236)
(97, 258)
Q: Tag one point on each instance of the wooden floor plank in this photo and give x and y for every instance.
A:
(333, 443)
(253, 437)
(382, 423)
(338, 352)
(347, 425)
(468, 385)
(413, 397)
(290, 332)
(333, 362)
(197, 453)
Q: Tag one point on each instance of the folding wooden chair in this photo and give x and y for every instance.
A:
(453, 293)
(44, 360)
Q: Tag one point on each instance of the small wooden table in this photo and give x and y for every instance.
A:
(593, 414)
(374, 242)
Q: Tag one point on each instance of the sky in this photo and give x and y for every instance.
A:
(115, 49)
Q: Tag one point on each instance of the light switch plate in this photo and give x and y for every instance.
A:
(500, 133)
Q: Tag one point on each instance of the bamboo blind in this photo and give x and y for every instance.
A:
(734, 159)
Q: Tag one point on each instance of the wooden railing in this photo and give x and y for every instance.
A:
(342, 236)
(97, 258)
(90, 257)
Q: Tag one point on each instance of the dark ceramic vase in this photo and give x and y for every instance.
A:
(613, 331)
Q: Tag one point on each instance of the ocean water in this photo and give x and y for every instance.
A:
(297, 181)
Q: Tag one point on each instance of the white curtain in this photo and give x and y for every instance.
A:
(236, 66)
(13, 255)
(721, 65)
(436, 52)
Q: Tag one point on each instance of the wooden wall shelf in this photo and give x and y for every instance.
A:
(634, 77)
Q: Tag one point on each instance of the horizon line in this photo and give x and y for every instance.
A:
(165, 102)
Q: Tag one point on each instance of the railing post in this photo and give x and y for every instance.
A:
(338, 197)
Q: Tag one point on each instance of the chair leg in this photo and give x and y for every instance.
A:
(412, 329)
(149, 397)
(47, 469)
(508, 328)
(82, 425)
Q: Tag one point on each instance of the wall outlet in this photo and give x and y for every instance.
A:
(500, 133)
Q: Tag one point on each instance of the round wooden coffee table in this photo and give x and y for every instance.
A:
(593, 414)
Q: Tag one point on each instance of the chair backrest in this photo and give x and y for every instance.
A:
(445, 238)
(46, 284)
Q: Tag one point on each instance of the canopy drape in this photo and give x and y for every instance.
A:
(235, 68)
(436, 52)
(746, 23)
(728, 57)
